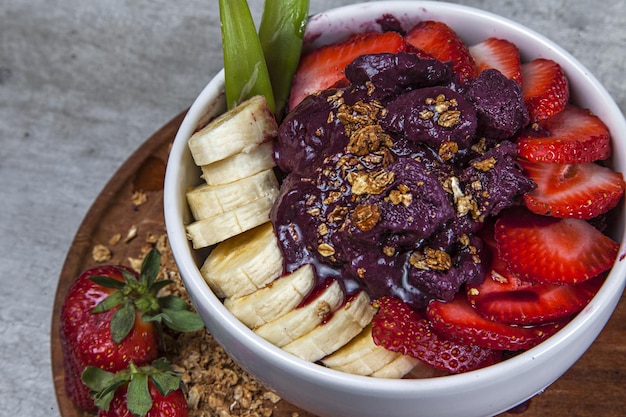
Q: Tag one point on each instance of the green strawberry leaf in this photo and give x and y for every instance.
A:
(165, 382)
(178, 320)
(173, 302)
(150, 267)
(102, 384)
(130, 279)
(159, 285)
(138, 399)
(108, 303)
(107, 282)
(122, 322)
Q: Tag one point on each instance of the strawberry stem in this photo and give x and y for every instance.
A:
(103, 384)
(140, 295)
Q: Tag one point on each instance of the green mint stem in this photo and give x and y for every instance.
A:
(245, 71)
(281, 33)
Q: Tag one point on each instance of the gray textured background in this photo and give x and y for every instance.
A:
(84, 82)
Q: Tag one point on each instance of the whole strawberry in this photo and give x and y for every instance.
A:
(112, 316)
(148, 391)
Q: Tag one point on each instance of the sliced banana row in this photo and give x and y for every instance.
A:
(234, 152)
(245, 267)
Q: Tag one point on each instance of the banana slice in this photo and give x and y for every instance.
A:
(238, 166)
(397, 368)
(244, 263)
(272, 302)
(304, 319)
(344, 324)
(361, 356)
(207, 232)
(235, 131)
(207, 201)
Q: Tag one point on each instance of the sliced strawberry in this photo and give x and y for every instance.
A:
(504, 297)
(440, 41)
(459, 321)
(401, 329)
(498, 54)
(581, 191)
(324, 67)
(546, 89)
(549, 250)
(572, 136)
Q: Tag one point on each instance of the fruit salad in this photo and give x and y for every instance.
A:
(423, 206)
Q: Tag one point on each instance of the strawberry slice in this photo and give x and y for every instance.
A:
(498, 54)
(458, 320)
(399, 328)
(504, 297)
(549, 250)
(581, 191)
(323, 68)
(440, 41)
(572, 136)
(546, 89)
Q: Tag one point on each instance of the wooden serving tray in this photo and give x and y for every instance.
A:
(594, 386)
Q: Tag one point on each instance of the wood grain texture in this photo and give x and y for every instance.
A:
(594, 386)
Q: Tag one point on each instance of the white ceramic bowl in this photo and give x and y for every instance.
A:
(330, 393)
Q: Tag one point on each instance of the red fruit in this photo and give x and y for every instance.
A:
(173, 404)
(86, 336)
(498, 54)
(148, 391)
(440, 41)
(504, 297)
(548, 250)
(573, 136)
(459, 321)
(582, 191)
(108, 319)
(546, 89)
(401, 329)
(323, 68)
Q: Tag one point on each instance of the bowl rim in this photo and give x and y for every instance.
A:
(203, 296)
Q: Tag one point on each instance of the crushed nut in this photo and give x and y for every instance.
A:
(101, 253)
(325, 250)
(448, 149)
(484, 165)
(368, 139)
(426, 114)
(389, 250)
(431, 259)
(115, 239)
(449, 118)
(322, 309)
(365, 216)
(370, 182)
(132, 233)
(480, 147)
(401, 195)
(337, 215)
(138, 198)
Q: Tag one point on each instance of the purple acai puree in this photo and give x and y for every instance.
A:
(389, 180)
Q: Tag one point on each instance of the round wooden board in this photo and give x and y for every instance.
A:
(595, 386)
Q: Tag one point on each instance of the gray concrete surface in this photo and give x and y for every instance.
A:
(84, 83)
